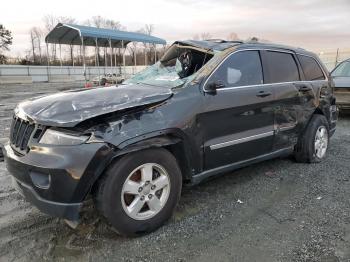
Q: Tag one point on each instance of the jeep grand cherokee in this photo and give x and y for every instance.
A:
(207, 107)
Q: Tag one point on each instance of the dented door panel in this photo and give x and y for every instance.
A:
(237, 125)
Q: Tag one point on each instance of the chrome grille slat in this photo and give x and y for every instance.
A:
(21, 133)
(15, 130)
(20, 130)
(27, 133)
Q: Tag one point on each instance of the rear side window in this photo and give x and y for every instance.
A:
(282, 67)
(240, 69)
(311, 69)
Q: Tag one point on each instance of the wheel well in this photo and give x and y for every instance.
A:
(179, 152)
(171, 143)
(319, 111)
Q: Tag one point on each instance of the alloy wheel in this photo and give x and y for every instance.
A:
(321, 142)
(145, 191)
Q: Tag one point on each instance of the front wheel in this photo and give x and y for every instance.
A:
(313, 143)
(140, 191)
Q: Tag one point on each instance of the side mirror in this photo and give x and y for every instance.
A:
(212, 86)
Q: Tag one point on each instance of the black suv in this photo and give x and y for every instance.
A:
(207, 107)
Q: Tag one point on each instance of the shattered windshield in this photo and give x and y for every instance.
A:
(175, 68)
(158, 75)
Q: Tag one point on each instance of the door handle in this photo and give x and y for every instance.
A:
(263, 94)
(303, 87)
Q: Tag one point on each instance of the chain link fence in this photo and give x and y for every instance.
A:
(331, 58)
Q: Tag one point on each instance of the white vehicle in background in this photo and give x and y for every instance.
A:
(341, 78)
(108, 79)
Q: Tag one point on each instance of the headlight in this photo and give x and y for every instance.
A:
(52, 137)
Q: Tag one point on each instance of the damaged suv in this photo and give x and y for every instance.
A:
(206, 108)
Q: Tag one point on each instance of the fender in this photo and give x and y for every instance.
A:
(175, 140)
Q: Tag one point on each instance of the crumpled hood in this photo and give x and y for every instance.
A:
(67, 109)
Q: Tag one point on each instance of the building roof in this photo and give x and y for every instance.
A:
(70, 34)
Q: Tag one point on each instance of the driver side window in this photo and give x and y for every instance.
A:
(240, 69)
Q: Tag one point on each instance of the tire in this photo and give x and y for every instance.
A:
(112, 201)
(306, 150)
(103, 81)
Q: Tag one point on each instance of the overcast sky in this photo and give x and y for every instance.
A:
(313, 24)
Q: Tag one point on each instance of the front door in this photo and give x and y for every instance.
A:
(237, 123)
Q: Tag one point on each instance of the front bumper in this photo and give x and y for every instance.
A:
(71, 170)
(68, 211)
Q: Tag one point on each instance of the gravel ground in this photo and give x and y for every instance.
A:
(277, 210)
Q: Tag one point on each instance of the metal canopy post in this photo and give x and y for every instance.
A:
(60, 57)
(84, 64)
(135, 57)
(80, 56)
(98, 64)
(111, 54)
(48, 62)
(124, 72)
(105, 57)
(155, 53)
(115, 61)
(96, 57)
(119, 55)
(72, 46)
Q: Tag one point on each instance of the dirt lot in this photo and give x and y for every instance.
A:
(273, 211)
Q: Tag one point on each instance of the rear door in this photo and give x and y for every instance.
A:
(292, 97)
(322, 87)
(237, 123)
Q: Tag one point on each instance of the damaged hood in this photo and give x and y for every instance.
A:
(67, 109)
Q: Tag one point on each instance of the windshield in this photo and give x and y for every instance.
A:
(178, 65)
(342, 70)
(158, 75)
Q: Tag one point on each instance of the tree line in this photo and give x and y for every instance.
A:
(5, 42)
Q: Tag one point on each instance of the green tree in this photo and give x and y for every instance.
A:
(5, 42)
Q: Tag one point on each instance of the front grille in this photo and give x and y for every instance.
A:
(20, 133)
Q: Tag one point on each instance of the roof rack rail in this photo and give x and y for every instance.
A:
(217, 40)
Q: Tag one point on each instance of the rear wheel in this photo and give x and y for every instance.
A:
(140, 191)
(313, 143)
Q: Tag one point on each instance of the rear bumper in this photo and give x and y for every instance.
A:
(68, 211)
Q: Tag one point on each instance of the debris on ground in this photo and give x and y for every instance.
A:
(270, 174)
